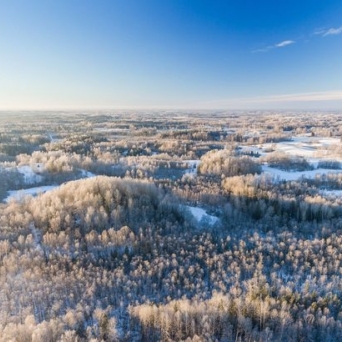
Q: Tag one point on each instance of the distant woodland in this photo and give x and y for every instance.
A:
(159, 226)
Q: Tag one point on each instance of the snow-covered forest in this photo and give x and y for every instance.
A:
(170, 226)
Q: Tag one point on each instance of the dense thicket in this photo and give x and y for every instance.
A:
(223, 163)
(86, 276)
(54, 248)
(285, 162)
(93, 204)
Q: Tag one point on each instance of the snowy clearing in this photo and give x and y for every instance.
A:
(252, 150)
(20, 194)
(295, 175)
(201, 215)
(30, 176)
(331, 194)
(302, 146)
(193, 165)
(306, 146)
(87, 174)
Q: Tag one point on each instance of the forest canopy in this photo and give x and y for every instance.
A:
(146, 227)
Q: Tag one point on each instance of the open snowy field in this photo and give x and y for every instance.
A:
(31, 177)
(193, 165)
(306, 146)
(301, 146)
(200, 215)
(313, 149)
(295, 175)
(20, 194)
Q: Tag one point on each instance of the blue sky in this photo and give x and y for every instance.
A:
(197, 54)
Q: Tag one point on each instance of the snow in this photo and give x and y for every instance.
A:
(87, 174)
(329, 141)
(301, 146)
(20, 194)
(201, 215)
(296, 149)
(252, 149)
(314, 161)
(331, 194)
(193, 165)
(30, 176)
(295, 175)
(54, 140)
(305, 146)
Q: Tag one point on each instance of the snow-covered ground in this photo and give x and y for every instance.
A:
(30, 176)
(331, 194)
(53, 139)
(296, 149)
(295, 175)
(253, 149)
(20, 194)
(306, 146)
(87, 174)
(201, 215)
(313, 149)
(193, 165)
(301, 146)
